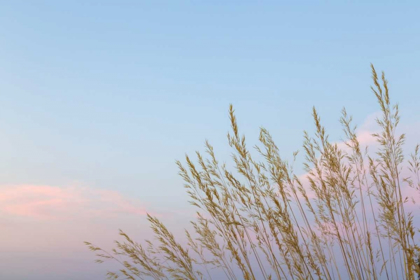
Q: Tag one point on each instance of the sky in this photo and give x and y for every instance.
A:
(98, 99)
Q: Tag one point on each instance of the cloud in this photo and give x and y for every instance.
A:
(364, 133)
(53, 202)
(365, 138)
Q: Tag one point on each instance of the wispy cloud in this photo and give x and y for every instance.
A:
(53, 202)
(52, 222)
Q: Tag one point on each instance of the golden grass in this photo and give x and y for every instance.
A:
(265, 226)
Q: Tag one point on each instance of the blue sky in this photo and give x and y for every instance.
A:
(106, 95)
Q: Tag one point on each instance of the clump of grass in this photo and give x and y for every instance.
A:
(267, 225)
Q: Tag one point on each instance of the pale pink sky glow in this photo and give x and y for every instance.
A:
(51, 223)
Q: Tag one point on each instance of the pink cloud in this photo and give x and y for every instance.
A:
(51, 202)
(365, 138)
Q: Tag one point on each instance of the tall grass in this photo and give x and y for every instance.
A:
(262, 221)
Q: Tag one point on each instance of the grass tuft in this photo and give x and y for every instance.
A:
(349, 222)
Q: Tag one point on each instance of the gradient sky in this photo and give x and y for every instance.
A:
(99, 98)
